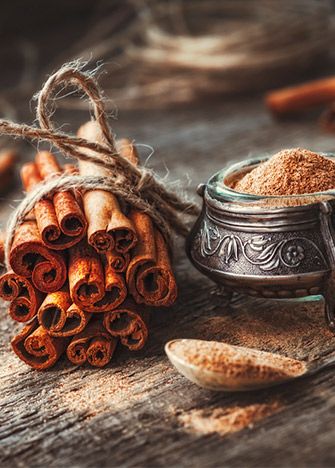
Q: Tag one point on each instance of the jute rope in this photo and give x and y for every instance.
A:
(139, 187)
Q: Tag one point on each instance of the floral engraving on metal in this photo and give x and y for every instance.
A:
(257, 250)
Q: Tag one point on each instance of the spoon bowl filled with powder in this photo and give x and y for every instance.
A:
(267, 228)
(223, 367)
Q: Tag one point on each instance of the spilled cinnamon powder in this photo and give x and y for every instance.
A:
(224, 421)
(238, 362)
(293, 171)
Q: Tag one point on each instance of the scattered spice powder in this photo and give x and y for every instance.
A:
(293, 171)
(237, 361)
(224, 421)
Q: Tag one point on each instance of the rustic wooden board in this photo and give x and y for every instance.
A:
(139, 411)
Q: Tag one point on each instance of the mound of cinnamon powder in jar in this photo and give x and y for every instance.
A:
(293, 171)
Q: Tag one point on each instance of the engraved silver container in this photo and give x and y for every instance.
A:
(261, 247)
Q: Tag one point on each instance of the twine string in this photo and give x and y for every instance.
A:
(71, 75)
(144, 191)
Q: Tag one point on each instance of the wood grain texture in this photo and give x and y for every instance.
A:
(133, 412)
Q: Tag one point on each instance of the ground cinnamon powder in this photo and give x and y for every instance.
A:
(237, 361)
(227, 420)
(293, 171)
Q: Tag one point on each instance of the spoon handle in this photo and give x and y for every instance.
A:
(321, 363)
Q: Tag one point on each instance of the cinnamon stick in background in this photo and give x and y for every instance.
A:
(94, 345)
(29, 257)
(129, 323)
(2, 247)
(117, 261)
(149, 275)
(37, 348)
(300, 97)
(70, 217)
(25, 299)
(60, 317)
(93, 288)
(7, 165)
(108, 227)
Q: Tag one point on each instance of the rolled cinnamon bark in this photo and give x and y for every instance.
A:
(24, 298)
(302, 96)
(44, 210)
(7, 165)
(129, 323)
(117, 261)
(37, 348)
(108, 227)
(2, 247)
(29, 257)
(61, 220)
(149, 276)
(94, 345)
(92, 287)
(60, 317)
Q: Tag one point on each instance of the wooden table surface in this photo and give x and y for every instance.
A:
(139, 411)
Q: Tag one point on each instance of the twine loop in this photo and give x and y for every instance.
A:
(138, 186)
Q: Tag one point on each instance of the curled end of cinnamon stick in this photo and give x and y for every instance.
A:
(101, 241)
(60, 317)
(30, 258)
(151, 280)
(93, 345)
(92, 288)
(36, 347)
(24, 298)
(100, 351)
(118, 262)
(130, 324)
(124, 238)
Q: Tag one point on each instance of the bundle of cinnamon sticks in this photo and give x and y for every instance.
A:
(86, 269)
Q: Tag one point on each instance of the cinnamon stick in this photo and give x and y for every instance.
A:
(129, 323)
(301, 97)
(149, 275)
(2, 247)
(36, 347)
(93, 345)
(29, 257)
(44, 210)
(117, 261)
(92, 287)
(7, 165)
(24, 298)
(60, 317)
(108, 227)
(61, 220)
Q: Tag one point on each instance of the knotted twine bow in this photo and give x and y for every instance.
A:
(137, 185)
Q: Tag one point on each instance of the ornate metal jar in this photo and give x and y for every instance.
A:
(273, 247)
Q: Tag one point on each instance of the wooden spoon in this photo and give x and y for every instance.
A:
(223, 367)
